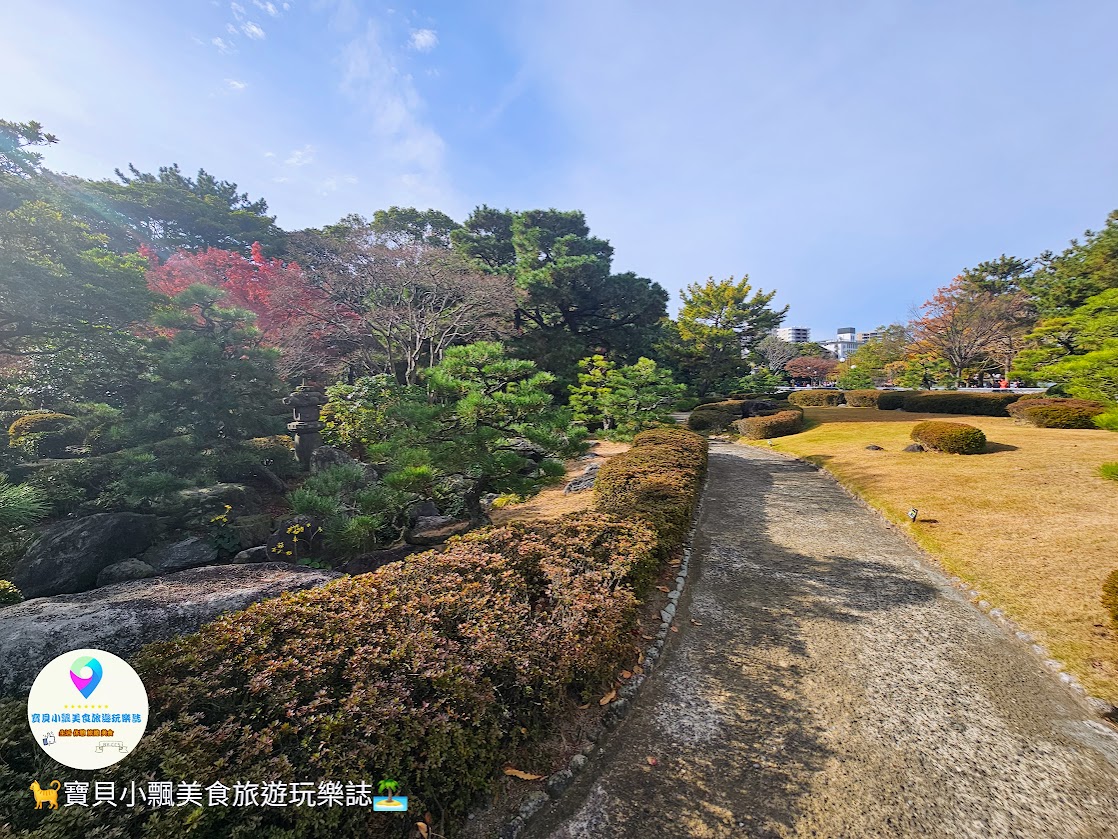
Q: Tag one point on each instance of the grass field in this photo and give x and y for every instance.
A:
(1030, 524)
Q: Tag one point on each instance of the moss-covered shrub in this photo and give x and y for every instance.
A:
(950, 437)
(1110, 597)
(817, 398)
(43, 434)
(959, 402)
(9, 594)
(862, 398)
(767, 427)
(657, 480)
(891, 400)
(1057, 413)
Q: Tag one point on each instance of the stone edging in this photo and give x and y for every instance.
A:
(974, 597)
(558, 782)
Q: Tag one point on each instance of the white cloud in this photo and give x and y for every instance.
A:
(301, 157)
(253, 31)
(424, 40)
(280, 180)
(235, 86)
(266, 7)
(238, 10)
(269, 154)
(231, 29)
(222, 45)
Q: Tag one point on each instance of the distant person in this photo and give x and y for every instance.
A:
(1002, 384)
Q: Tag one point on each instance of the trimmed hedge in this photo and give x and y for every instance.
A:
(959, 402)
(950, 437)
(715, 416)
(891, 400)
(1110, 597)
(657, 480)
(1057, 413)
(818, 398)
(862, 398)
(775, 425)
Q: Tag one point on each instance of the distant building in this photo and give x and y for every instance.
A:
(844, 344)
(793, 334)
(864, 337)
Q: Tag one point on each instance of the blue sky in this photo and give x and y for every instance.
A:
(852, 155)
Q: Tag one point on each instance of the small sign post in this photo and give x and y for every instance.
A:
(912, 515)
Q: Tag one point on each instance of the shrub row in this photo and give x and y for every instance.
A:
(1057, 413)
(715, 416)
(819, 398)
(775, 425)
(950, 437)
(657, 480)
(863, 398)
(431, 672)
(890, 400)
(959, 402)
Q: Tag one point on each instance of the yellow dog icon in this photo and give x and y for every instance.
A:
(46, 796)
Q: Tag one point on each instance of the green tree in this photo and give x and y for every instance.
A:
(486, 237)
(720, 323)
(489, 425)
(873, 358)
(812, 349)
(624, 400)
(1060, 284)
(60, 287)
(210, 380)
(409, 226)
(168, 211)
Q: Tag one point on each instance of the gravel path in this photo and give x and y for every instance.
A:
(837, 686)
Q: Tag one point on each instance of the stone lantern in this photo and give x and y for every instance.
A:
(305, 403)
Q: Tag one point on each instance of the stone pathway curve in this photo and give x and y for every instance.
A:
(837, 686)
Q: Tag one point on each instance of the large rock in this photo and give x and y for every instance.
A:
(201, 504)
(250, 555)
(68, 556)
(325, 457)
(584, 481)
(122, 572)
(192, 552)
(123, 617)
(434, 530)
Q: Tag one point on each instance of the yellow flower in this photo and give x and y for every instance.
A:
(289, 553)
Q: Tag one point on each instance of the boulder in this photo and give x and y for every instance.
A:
(122, 572)
(203, 503)
(253, 530)
(191, 552)
(251, 555)
(324, 457)
(874, 448)
(68, 556)
(915, 447)
(366, 563)
(123, 617)
(584, 481)
(424, 510)
(434, 530)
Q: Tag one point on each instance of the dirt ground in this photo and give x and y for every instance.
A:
(837, 686)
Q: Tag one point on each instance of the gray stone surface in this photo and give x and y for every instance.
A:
(257, 553)
(915, 447)
(123, 617)
(838, 686)
(122, 572)
(68, 556)
(191, 552)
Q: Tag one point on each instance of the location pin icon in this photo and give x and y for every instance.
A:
(86, 684)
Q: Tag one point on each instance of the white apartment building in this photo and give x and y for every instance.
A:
(844, 344)
(793, 334)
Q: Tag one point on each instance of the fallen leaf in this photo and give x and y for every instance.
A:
(626, 674)
(695, 622)
(638, 669)
(584, 707)
(524, 776)
(608, 698)
(664, 589)
(422, 828)
(674, 562)
(652, 761)
(648, 637)
(675, 628)
(523, 730)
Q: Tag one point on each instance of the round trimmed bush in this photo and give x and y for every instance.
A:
(950, 437)
(1056, 412)
(816, 398)
(774, 425)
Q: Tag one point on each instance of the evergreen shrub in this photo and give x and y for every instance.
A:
(818, 398)
(950, 437)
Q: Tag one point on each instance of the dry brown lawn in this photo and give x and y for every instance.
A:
(551, 503)
(1029, 524)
